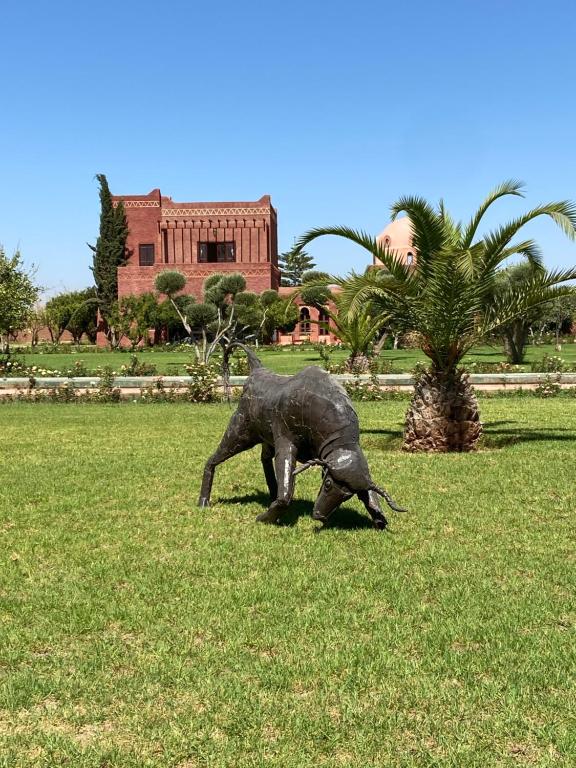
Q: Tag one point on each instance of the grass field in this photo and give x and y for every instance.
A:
(281, 360)
(137, 630)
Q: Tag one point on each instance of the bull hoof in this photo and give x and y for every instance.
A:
(380, 525)
(203, 502)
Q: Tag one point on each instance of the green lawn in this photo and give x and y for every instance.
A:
(137, 630)
(281, 360)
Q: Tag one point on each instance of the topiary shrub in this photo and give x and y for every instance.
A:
(170, 282)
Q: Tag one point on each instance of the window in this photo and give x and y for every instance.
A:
(323, 323)
(146, 254)
(212, 253)
(409, 259)
(304, 320)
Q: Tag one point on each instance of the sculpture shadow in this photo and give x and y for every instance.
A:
(344, 518)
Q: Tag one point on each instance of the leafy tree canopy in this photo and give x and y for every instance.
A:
(18, 294)
(293, 264)
(314, 276)
(83, 318)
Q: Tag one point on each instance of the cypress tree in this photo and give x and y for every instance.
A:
(110, 249)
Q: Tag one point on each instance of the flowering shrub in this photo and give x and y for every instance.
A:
(106, 392)
(137, 368)
(548, 388)
(239, 365)
(9, 367)
(203, 387)
(16, 369)
(549, 364)
(370, 391)
(500, 367)
(158, 393)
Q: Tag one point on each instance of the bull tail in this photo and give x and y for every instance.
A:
(253, 361)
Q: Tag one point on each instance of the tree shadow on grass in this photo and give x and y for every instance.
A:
(386, 440)
(344, 518)
(494, 353)
(496, 435)
(503, 438)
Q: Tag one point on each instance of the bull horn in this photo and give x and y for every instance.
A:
(308, 464)
(387, 498)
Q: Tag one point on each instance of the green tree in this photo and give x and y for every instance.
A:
(292, 265)
(516, 331)
(280, 314)
(314, 276)
(168, 321)
(36, 322)
(109, 253)
(558, 314)
(133, 317)
(83, 318)
(18, 294)
(58, 311)
(73, 311)
(448, 298)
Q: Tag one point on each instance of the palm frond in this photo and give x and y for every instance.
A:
(466, 261)
(393, 298)
(428, 230)
(563, 213)
(528, 248)
(514, 300)
(391, 260)
(509, 187)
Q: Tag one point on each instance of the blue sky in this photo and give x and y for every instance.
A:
(335, 109)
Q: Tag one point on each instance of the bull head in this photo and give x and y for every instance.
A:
(345, 473)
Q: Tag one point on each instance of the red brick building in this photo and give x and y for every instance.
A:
(198, 239)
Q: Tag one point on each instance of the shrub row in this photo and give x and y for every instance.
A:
(205, 389)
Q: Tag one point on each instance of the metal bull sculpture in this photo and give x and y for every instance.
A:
(305, 418)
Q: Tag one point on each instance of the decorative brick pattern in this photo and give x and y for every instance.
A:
(137, 204)
(189, 212)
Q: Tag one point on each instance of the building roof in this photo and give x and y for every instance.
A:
(397, 237)
(398, 233)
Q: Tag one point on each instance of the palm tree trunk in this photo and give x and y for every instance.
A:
(358, 362)
(515, 339)
(443, 414)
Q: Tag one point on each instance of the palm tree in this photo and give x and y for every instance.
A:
(358, 332)
(447, 297)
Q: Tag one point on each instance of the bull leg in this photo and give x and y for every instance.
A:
(372, 503)
(268, 466)
(285, 461)
(236, 439)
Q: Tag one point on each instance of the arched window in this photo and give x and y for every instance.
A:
(409, 259)
(304, 320)
(323, 323)
(387, 242)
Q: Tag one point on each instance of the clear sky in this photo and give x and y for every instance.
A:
(334, 108)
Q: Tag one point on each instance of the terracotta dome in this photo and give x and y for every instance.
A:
(397, 236)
